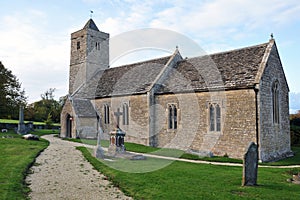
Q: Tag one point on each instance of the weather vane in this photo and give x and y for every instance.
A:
(91, 14)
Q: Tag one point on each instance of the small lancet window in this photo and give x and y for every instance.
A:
(218, 118)
(214, 117)
(125, 114)
(106, 114)
(78, 45)
(172, 116)
(275, 102)
(97, 45)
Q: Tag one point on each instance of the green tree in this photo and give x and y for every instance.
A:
(45, 109)
(295, 118)
(11, 94)
(49, 121)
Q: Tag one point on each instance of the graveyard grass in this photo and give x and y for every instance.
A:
(181, 154)
(16, 156)
(139, 148)
(14, 121)
(182, 180)
(176, 181)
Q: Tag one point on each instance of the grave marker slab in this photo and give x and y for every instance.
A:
(250, 166)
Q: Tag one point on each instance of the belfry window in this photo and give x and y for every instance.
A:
(125, 114)
(97, 45)
(214, 117)
(106, 114)
(172, 116)
(275, 102)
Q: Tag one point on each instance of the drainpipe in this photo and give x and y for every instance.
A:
(151, 119)
(256, 90)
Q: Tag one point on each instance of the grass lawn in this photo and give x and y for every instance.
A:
(13, 121)
(181, 154)
(139, 148)
(295, 160)
(16, 156)
(182, 180)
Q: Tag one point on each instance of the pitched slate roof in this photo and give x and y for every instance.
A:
(227, 70)
(83, 108)
(91, 25)
(124, 80)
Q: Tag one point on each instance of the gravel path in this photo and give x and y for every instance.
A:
(61, 172)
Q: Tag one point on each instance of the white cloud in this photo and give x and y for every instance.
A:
(211, 21)
(40, 56)
(216, 18)
(38, 59)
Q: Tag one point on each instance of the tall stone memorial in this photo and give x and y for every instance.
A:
(117, 137)
(21, 125)
(250, 166)
(99, 153)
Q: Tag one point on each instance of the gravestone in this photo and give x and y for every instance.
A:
(21, 125)
(250, 166)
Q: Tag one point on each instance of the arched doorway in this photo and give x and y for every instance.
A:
(69, 126)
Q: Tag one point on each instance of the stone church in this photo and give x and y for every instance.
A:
(213, 104)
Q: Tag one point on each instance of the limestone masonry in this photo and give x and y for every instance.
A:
(209, 105)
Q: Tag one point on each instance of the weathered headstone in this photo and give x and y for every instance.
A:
(250, 166)
(21, 125)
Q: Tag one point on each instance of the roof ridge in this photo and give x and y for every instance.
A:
(239, 49)
(232, 50)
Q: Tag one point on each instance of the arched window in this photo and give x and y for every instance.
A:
(78, 45)
(218, 118)
(214, 117)
(172, 116)
(125, 114)
(275, 102)
(106, 114)
(211, 118)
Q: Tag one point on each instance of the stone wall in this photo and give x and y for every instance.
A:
(67, 110)
(274, 138)
(86, 127)
(77, 60)
(92, 55)
(137, 130)
(237, 127)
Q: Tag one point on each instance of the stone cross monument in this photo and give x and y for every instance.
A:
(99, 153)
(21, 125)
(117, 136)
(117, 117)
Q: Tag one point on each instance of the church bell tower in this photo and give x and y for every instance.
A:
(89, 53)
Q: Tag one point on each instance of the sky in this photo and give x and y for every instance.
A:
(35, 34)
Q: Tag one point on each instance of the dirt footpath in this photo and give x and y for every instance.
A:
(61, 172)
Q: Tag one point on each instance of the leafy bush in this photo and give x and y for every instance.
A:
(295, 135)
